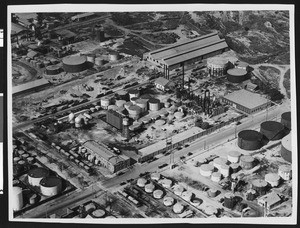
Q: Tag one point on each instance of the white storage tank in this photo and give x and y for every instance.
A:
(178, 189)
(36, 175)
(187, 195)
(158, 194)
(133, 93)
(105, 102)
(206, 170)
(17, 198)
(143, 104)
(134, 112)
(149, 188)
(273, 179)
(234, 156)
(218, 162)
(155, 176)
(179, 115)
(141, 182)
(51, 186)
(166, 183)
(285, 172)
(216, 176)
(224, 170)
(178, 208)
(154, 104)
(120, 103)
(168, 201)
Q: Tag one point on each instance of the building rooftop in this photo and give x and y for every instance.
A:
(247, 99)
(16, 28)
(270, 199)
(162, 81)
(175, 139)
(29, 85)
(65, 33)
(78, 16)
(32, 54)
(104, 152)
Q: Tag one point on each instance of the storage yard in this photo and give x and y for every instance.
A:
(116, 126)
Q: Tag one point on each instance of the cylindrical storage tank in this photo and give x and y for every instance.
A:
(210, 210)
(178, 208)
(123, 95)
(286, 148)
(224, 170)
(128, 104)
(272, 130)
(273, 179)
(51, 186)
(78, 121)
(251, 194)
(166, 183)
(179, 115)
(98, 213)
(33, 199)
(196, 202)
(187, 195)
(155, 176)
(246, 162)
(229, 200)
(71, 117)
(233, 156)
(260, 186)
(285, 172)
(53, 70)
(206, 170)
(143, 104)
(216, 176)
(168, 201)
(90, 58)
(133, 93)
(141, 182)
(17, 198)
(134, 112)
(31, 160)
(250, 140)
(36, 175)
(74, 64)
(212, 192)
(237, 75)
(105, 102)
(158, 194)
(99, 61)
(114, 56)
(178, 189)
(154, 104)
(218, 162)
(286, 119)
(216, 66)
(160, 123)
(234, 167)
(120, 103)
(149, 188)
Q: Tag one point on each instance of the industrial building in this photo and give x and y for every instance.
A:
(161, 83)
(240, 99)
(82, 16)
(269, 201)
(36, 85)
(106, 156)
(193, 50)
(115, 119)
(66, 36)
(74, 64)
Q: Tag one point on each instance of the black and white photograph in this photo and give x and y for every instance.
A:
(152, 114)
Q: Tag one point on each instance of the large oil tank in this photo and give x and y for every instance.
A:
(141, 182)
(154, 104)
(286, 148)
(229, 200)
(286, 119)
(158, 194)
(178, 208)
(155, 176)
(134, 112)
(149, 188)
(53, 70)
(51, 186)
(74, 64)
(187, 195)
(166, 183)
(216, 66)
(272, 130)
(206, 170)
(260, 186)
(218, 162)
(237, 75)
(17, 198)
(247, 162)
(36, 175)
(143, 104)
(168, 201)
(216, 176)
(250, 140)
(233, 156)
(178, 190)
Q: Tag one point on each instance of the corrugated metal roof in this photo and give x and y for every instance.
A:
(29, 85)
(247, 99)
(175, 139)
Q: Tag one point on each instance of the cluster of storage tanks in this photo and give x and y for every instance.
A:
(81, 119)
(21, 159)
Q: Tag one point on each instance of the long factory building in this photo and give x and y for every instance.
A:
(192, 50)
(106, 156)
(35, 85)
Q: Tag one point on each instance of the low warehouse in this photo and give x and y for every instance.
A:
(36, 85)
(240, 100)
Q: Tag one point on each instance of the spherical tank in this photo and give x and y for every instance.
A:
(53, 70)
(272, 130)
(233, 156)
(273, 179)
(17, 199)
(74, 64)
(286, 119)
(168, 201)
(51, 186)
(246, 162)
(250, 140)
(237, 75)
(154, 104)
(260, 186)
(285, 172)
(105, 102)
(158, 194)
(36, 175)
(229, 200)
(216, 176)
(206, 170)
(286, 148)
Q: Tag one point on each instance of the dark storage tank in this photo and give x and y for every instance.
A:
(249, 140)
(286, 119)
(74, 64)
(272, 130)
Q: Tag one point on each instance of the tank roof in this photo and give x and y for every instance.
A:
(38, 172)
(237, 72)
(272, 126)
(272, 177)
(153, 100)
(250, 135)
(74, 60)
(259, 183)
(51, 181)
(247, 158)
(234, 153)
(286, 116)
(207, 167)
